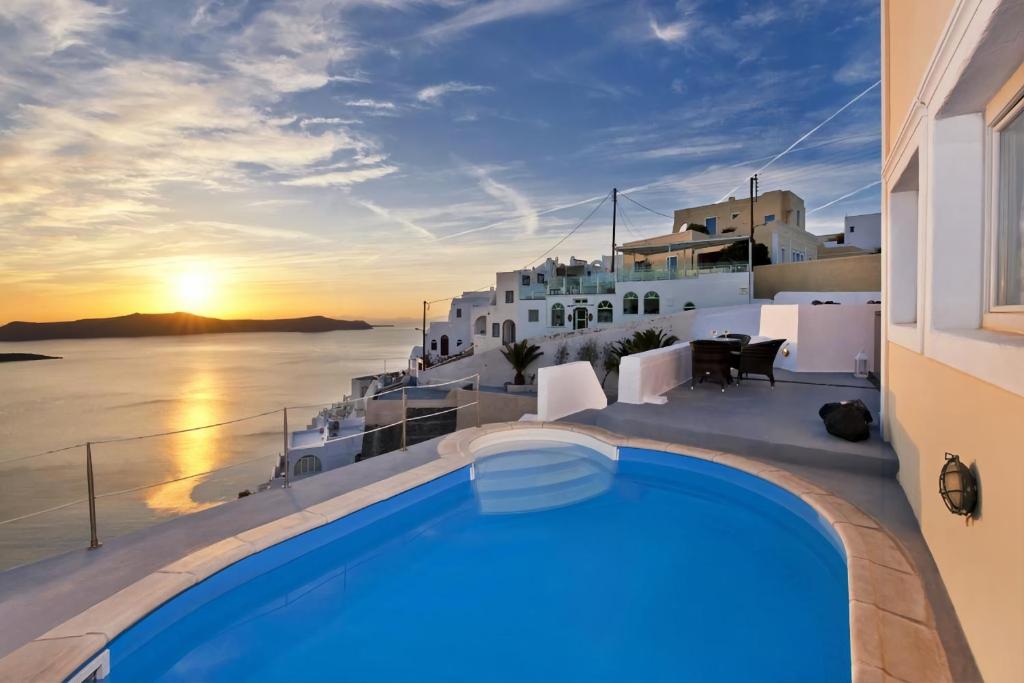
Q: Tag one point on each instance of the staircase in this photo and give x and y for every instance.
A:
(540, 478)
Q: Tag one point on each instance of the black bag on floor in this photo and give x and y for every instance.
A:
(847, 419)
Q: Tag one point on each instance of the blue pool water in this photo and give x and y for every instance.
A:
(553, 564)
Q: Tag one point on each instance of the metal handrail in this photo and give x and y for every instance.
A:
(93, 496)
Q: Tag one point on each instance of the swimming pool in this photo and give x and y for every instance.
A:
(550, 562)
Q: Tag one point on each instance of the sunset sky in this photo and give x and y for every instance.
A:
(354, 157)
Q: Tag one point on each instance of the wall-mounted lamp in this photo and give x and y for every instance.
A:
(958, 487)
(785, 350)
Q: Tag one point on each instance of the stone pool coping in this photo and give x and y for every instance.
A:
(892, 628)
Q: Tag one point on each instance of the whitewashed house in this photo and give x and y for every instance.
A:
(554, 297)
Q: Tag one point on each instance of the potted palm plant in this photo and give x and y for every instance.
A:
(520, 356)
(643, 340)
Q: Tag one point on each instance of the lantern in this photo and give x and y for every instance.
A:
(860, 364)
(958, 487)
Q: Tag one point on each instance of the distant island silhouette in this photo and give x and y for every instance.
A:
(12, 357)
(166, 325)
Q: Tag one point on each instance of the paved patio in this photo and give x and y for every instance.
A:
(752, 419)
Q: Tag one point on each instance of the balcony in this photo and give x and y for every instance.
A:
(532, 292)
(651, 274)
(600, 283)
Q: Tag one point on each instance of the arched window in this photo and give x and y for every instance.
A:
(508, 332)
(630, 304)
(481, 325)
(433, 345)
(558, 315)
(652, 303)
(604, 312)
(689, 306)
(307, 464)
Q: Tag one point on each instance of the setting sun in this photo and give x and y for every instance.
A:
(194, 290)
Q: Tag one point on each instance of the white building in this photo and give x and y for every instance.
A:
(555, 297)
(446, 338)
(863, 231)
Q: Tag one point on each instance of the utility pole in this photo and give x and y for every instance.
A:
(423, 349)
(750, 246)
(615, 211)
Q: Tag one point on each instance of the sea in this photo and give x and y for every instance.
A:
(104, 389)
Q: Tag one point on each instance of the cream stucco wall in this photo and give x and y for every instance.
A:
(845, 274)
(949, 384)
(936, 409)
(911, 31)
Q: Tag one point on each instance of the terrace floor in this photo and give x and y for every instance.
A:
(752, 419)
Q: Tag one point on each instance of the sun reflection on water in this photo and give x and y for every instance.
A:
(192, 452)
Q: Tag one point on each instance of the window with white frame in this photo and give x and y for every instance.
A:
(558, 315)
(510, 296)
(652, 303)
(1008, 240)
(605, 312)
(630, 304)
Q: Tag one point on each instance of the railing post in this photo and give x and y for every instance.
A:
(287, 465)
(476, 399)
(94, 541)
(405, 413)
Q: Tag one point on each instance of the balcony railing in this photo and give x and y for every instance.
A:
(603, 283)
(528, 292)
(650, 274)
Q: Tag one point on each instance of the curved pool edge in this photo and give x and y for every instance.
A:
(892, 628)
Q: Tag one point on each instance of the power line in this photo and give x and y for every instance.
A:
(571, 232)
(627, 222)
(642, 206)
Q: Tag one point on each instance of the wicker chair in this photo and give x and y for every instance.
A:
(759, 359)
(743, 339)
(713, 359)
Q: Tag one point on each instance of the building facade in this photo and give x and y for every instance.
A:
(780, 223)
(863, 231)
(554, 297)
(953, 293)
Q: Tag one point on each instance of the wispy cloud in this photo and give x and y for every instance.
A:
(342, 178)
(670, 33)
(861, 68)
(368, 103)
(493, 11)
(760, 17)
(433, 94)
(388, 215)
(691, 150)
(505, 193)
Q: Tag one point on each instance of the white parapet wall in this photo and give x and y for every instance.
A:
(644, 377)
(566, 389)
(821, 338)
(838, 297)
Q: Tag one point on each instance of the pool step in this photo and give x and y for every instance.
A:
(539, 480)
